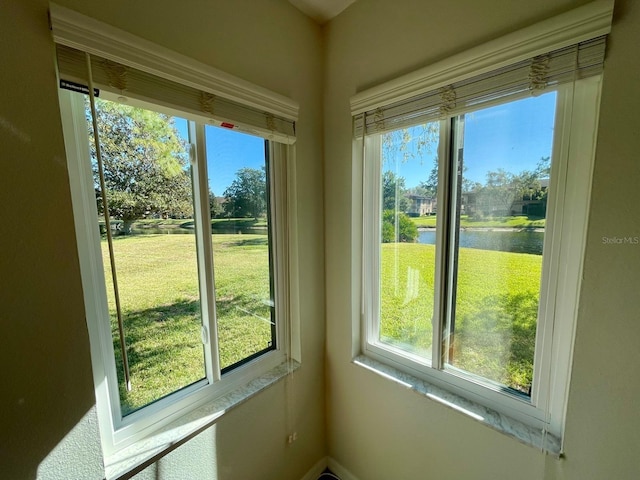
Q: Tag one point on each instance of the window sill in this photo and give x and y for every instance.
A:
(131, 460)
(491, 418)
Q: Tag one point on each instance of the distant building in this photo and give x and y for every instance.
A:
(507, 203)
(420, 205)
(531, 206)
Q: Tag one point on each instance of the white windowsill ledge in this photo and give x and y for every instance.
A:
(131, 460)
(513, 428)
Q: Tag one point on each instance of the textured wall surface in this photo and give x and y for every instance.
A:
(46, 382)
(375, 429)
(47, 406)
(380, 430)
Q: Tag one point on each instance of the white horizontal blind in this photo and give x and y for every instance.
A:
(527, 77)
(131, 82)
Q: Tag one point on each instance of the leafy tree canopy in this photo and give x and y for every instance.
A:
(247, 194)
(215, 209)
(394, 192)
(145, 164)
(502, 188)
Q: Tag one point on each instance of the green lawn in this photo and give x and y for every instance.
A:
(496, 309)
(157, 274)
(157, 277)
(517, 221)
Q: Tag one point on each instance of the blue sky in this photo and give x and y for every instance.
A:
(227, 152)
(513, 136)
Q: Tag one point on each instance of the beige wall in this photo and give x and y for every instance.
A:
(45, 377)
(47, 388)
(379, 430)
(375, 429)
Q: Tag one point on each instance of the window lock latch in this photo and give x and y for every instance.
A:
(204, 334)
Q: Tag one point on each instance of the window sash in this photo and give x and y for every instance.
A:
(432, 369)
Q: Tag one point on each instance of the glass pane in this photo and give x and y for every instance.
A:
(500, 221)
(239, 203)
(150, 202)
(409, 182)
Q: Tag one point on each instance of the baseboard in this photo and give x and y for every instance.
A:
(339, 470)
(335, 467)
(316, 470)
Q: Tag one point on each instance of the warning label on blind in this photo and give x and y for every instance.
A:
(78, 87)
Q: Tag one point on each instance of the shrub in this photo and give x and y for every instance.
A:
(406, 229)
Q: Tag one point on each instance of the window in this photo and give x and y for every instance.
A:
(184, 281)
(181, 201)
(475, 195)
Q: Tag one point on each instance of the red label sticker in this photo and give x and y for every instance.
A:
(226, 125)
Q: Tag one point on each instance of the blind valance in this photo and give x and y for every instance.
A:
(532, 76)
(131, 82)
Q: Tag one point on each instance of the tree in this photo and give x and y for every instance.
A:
(502, 188)
(215, 209)
(397, 227)
(145, 164)
(246, 196)
(412, 142)
(430, 185)
(393, 192)
(498, 193)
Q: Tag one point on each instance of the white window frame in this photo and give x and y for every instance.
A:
(119, 431)
(86, 34)
(577, 109)
(564, 244)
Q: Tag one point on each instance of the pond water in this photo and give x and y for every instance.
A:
(516, 241)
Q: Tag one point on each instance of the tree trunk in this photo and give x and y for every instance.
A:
(126, 227)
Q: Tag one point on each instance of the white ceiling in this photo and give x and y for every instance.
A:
(321, 10)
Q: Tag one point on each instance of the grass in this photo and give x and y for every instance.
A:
(157, 274)
(496, 309)
(516, 221)
(158, 282)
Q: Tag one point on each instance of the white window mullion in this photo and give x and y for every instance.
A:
(279, 217)
(451, 226)
(372, 158)
(205, 250)
(442, 285)
(284, 210)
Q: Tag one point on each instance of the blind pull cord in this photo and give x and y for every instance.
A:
(107, 223)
